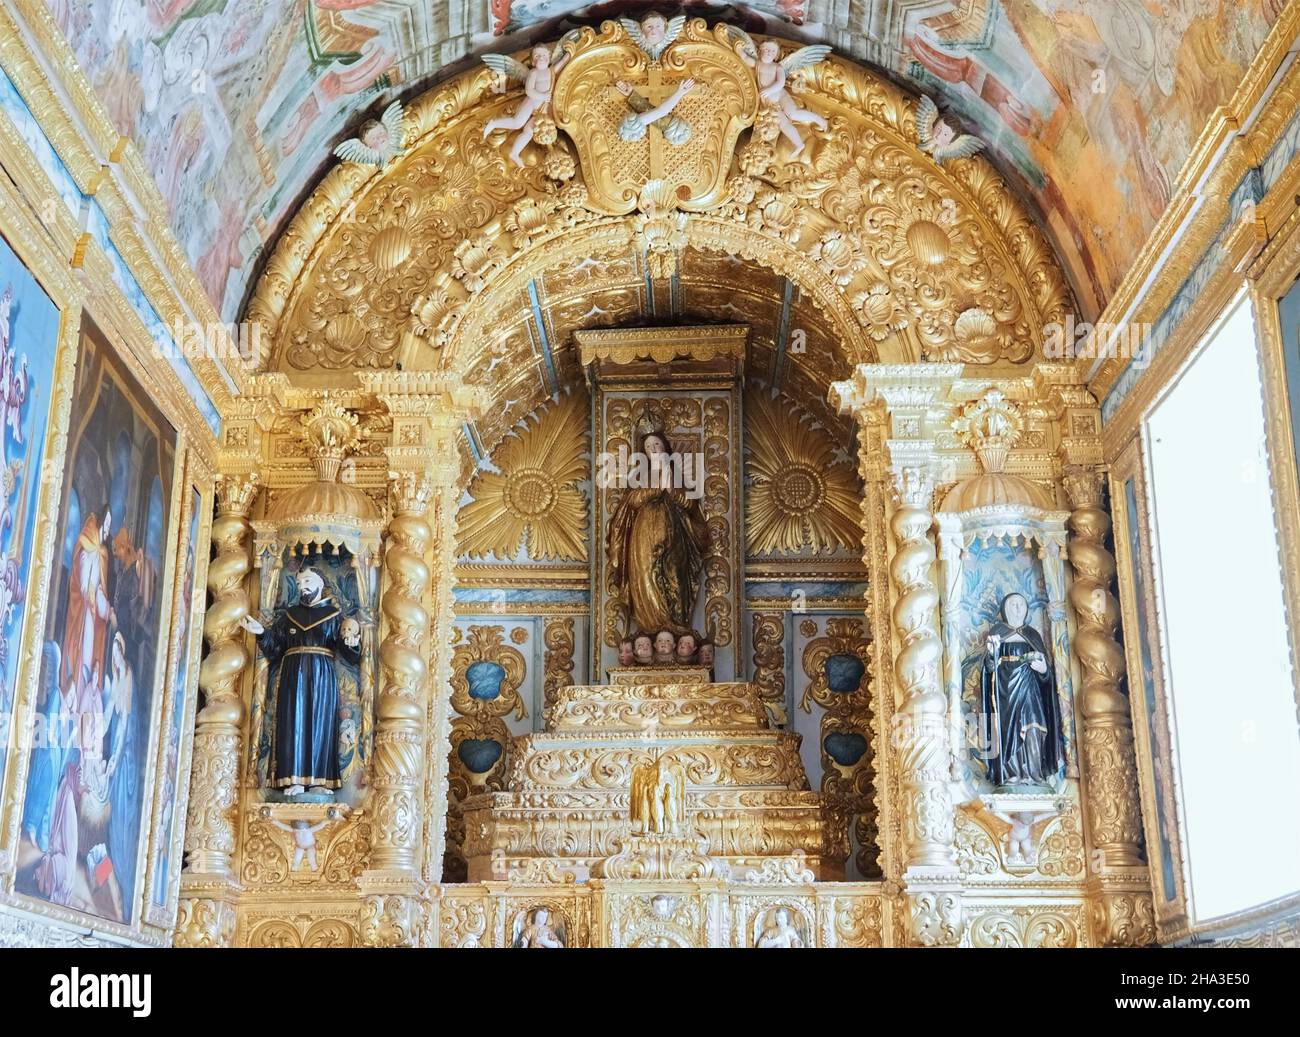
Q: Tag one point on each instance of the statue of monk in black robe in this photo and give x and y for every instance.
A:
(1018, 696)
(305, 640)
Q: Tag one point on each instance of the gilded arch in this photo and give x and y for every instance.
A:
(416, 263)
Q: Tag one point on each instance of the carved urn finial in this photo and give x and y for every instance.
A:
(330, 433)
(990, 426)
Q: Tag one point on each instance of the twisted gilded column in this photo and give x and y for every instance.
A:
(399, 726)
(1118, 888)
(206, 918)
(923, 734)
(1111, 800)
(391, 915)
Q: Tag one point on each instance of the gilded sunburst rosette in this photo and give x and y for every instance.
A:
(534, 493)
(800, 496)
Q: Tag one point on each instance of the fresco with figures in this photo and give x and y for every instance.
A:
(234, 106)
(85, 813)
(29, 331)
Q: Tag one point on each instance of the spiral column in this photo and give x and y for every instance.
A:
(206, 916)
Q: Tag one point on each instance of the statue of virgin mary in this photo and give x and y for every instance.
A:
(657, 541)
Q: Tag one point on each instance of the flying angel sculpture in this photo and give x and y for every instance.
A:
(773, 74)
(380, 141)
(539, 81)
(937, 137)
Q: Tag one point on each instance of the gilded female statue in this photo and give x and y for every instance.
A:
(657, 540)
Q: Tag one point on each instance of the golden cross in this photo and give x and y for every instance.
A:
(656, 91)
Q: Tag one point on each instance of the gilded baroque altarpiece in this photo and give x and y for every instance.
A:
(398, 373)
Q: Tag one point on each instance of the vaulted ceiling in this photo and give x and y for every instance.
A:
(1092, 106)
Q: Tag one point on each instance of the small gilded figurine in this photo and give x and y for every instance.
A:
(937, 137)
(305, 639)
(1018, 695)
(773, 73)
(533, 113)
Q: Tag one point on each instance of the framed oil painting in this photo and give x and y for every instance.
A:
(85, 812)
(29, 335)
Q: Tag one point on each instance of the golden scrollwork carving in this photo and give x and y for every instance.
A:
(769, 663)
(1023, 926)
(937, 262)
(557, 634)
(204, 923)
(594, 112)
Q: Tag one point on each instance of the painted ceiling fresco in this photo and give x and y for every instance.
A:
(1092, 105)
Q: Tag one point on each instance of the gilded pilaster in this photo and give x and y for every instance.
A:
(917, 810)
(1121, 914)
(412, 737)
(214, 783)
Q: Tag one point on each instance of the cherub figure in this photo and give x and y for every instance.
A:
(539, 81)
(304, 837)
(643, 649)
(665, 647)
(685, 648)
(937, 137)
(654, 34)
(380, 141)
(773, 75)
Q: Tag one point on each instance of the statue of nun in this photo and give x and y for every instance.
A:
(1018, 696)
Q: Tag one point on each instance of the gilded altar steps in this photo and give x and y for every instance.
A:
(566, 803)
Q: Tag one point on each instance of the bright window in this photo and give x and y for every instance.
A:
(1235, 738)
